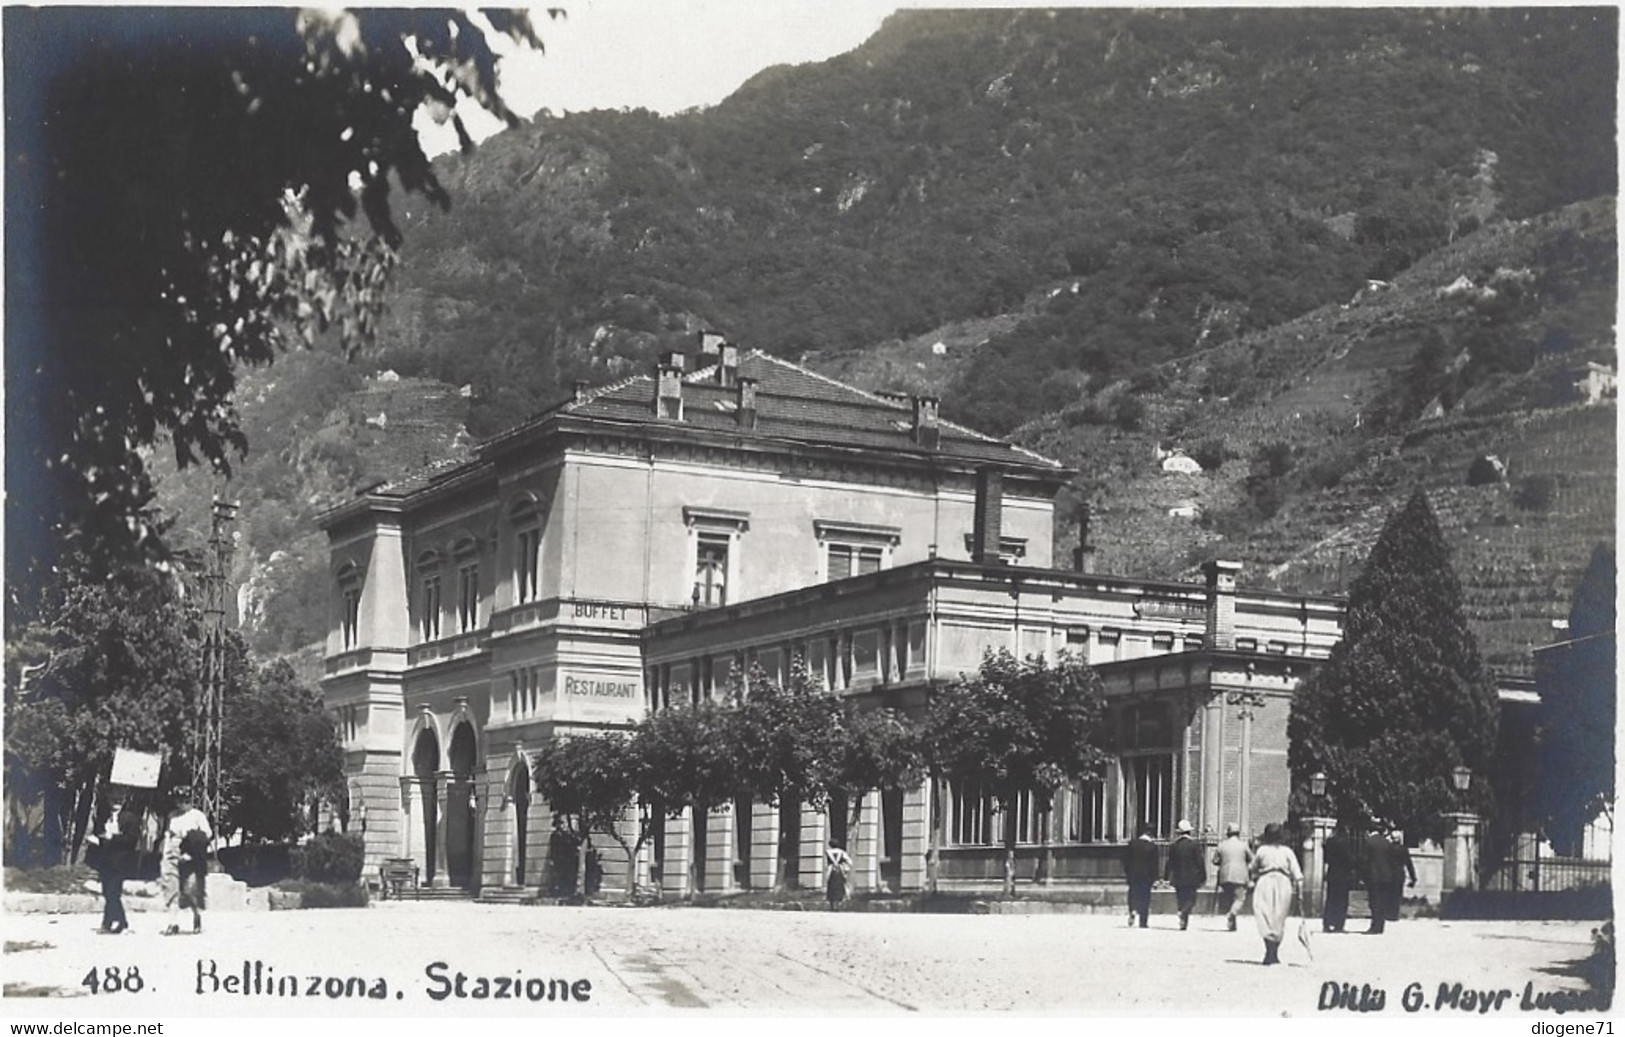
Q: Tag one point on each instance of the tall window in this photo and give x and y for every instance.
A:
(1082, 815)
(429, 619)
(468, 597)
(1148, 770)
(350, 607)
(714, 537)
(970, 815)
(711, 570)
(527, 564)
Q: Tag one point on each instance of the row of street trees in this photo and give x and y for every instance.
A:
(1014, 727)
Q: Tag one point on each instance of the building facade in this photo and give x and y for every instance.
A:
(625, 550)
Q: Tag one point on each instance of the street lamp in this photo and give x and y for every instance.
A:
(1462, 777)
(1317, 784)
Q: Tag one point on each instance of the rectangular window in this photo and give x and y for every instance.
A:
(818, 660)
(711, 571)
(429, 622)
(527, 564)
(866, 655)
(853, 560)
(1150, 788)
(468, 597)
(352, 616)
(970, 820)
(1083, 815)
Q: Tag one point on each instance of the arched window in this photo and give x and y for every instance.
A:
(349, 595)
(431, 602)
(466, 555)
(525, 515)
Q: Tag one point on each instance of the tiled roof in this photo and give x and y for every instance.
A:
(796, 404)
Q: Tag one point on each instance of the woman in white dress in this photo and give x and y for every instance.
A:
(1277, 878)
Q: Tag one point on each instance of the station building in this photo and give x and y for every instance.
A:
(631, 547)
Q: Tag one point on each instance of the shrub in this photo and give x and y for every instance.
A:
(1210, 453)
(330, 857)
(325, 894)
(257, 864)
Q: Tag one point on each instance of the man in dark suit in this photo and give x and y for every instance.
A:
(1140, 868)
(1404, 869)
(1338, 854)
(1380, 873)
(1187, 870)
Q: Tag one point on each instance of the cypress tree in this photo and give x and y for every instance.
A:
(1577, 682)
(1404, 698)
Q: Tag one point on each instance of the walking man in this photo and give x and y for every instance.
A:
(1234, 859)
(186, 863)
(1339, 875)
(1404, 868)
(1187, 870)
(1140, 868)
(1380, 874)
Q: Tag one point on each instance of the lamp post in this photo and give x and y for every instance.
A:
(1320, 828)
(1461, 844)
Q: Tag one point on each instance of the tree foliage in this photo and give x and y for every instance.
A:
(186, 198)
(1404, 697)
(107, 664)
(1018, 727)
(1578, 706)
(281, 754)
(596, 783)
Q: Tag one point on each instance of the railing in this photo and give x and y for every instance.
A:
(1548, 874)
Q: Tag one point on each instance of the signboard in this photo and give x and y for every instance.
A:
(605, 613)
(611, 697)
(136, 769)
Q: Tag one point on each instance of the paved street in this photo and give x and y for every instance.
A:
(659, 960)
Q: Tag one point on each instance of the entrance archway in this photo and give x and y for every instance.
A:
(425, 768)
(460, 807)
(519, 795)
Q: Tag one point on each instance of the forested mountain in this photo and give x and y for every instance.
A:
(1109, 219)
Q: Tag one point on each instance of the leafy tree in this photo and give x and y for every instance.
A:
(1018, 727)
(280, 753)
(688, 755)
(190, 199)
(874, 750)
(107, 664)
(1404, 697)
(785, 738)
(594, 782)
(1578, 708)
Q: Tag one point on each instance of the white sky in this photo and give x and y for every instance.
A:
(670, 55)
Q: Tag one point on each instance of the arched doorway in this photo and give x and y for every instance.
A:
(519, 796)
(425, 769)
(460, 807)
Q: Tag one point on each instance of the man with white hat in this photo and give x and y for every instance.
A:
(1234, 859)
(1187, 870)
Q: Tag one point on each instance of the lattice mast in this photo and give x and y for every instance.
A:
(208, 710)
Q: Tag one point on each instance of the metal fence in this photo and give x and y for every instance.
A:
(1547, 874)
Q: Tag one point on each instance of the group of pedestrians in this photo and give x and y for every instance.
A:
(1272, 873)
(1386, 867)
(118, 848)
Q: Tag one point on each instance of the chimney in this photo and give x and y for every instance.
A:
(711, 343)
(669, 387)
(1221, 603)
(989, 515)
(727, 363)
(1083, 558)
(926, 432)
(580, 391)
(747, 403)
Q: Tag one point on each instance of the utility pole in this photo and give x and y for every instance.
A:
(207, 711)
